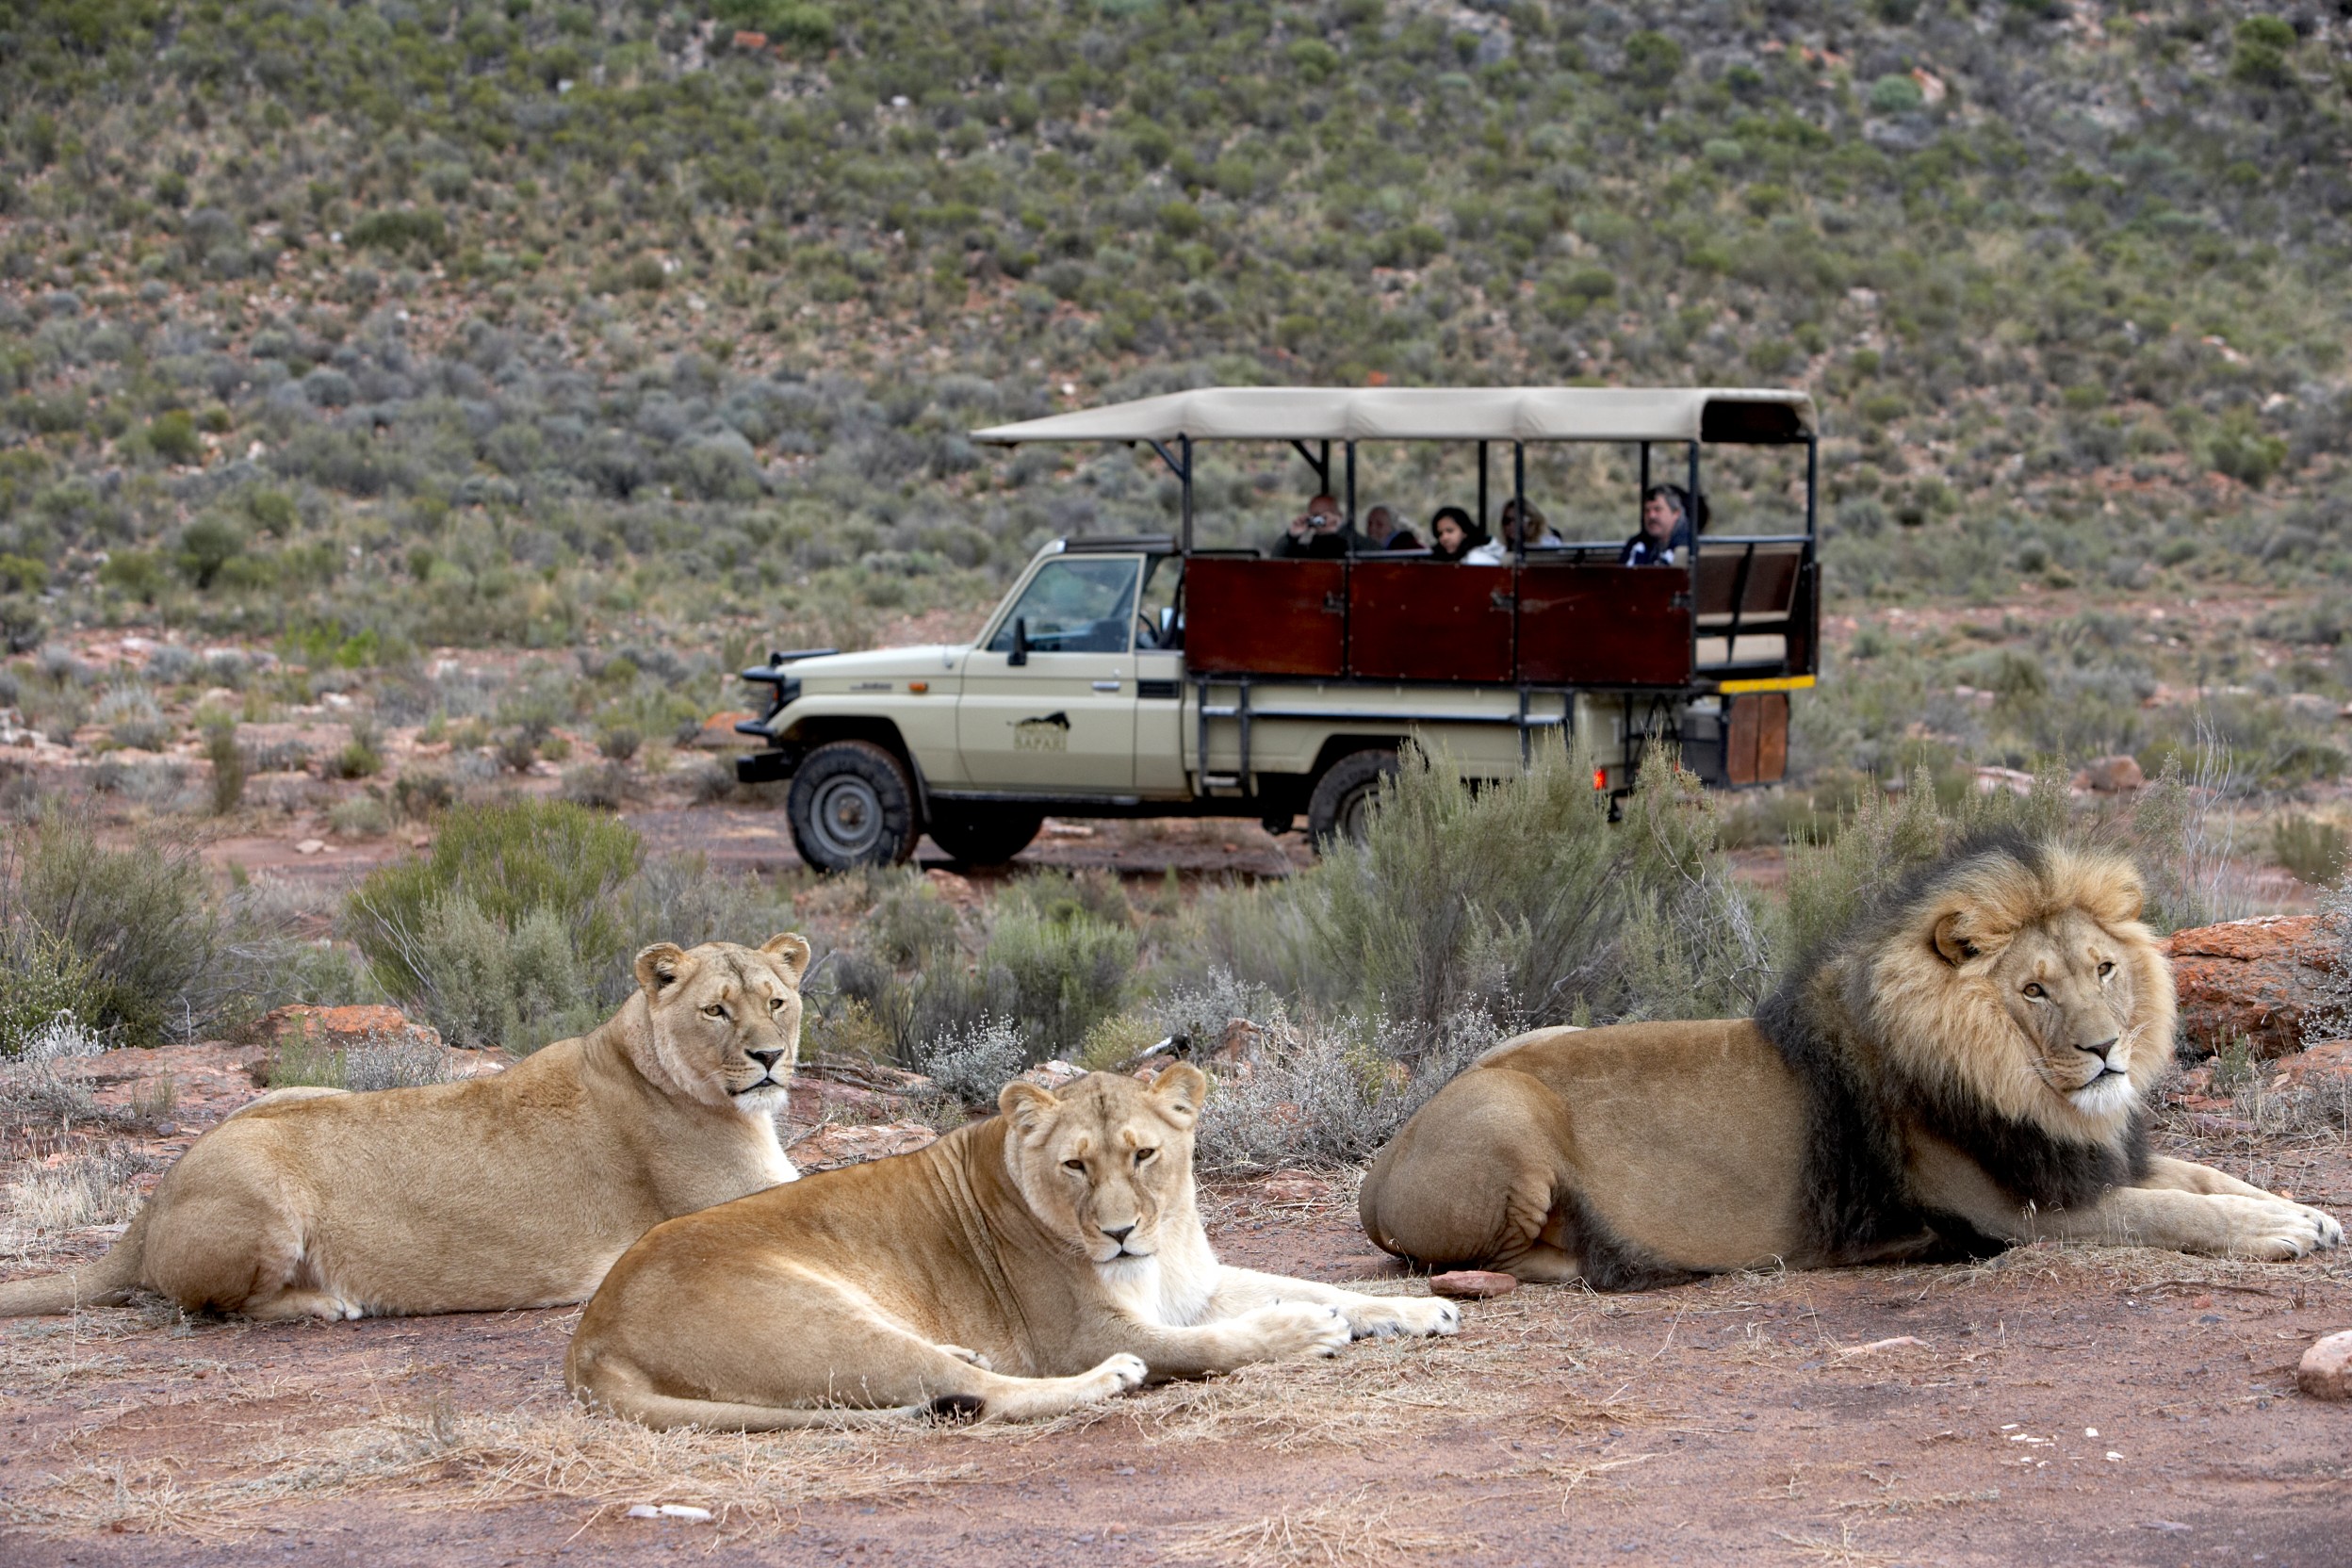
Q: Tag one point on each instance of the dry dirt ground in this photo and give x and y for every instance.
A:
(2054, 1405)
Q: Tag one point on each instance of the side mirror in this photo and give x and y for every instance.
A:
(1167, 623)
(1021, 642)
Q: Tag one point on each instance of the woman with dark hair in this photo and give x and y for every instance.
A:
(1666, 528)
(1455, 537)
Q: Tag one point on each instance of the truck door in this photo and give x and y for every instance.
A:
(1064, 721)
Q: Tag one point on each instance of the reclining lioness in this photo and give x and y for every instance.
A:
(513, 1191)
(1019, 1266)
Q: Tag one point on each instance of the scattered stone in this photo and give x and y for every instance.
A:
(829, 1148)
(337, 1027)
(718, 731)
(1294, 1186)
(1901, 1342)
(2325, 1066)
(2326, 1372)
(1473, 1284)
(669, 1511)
(311, 847)
(1053, 1074)
(2110, 775)
(745, 39)
(2251, 979)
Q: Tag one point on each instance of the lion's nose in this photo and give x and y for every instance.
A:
(1119, 1234)
(765, 1058)
(2101, 1049)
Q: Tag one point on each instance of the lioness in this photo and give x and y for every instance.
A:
(513, 1191)
(1046, 1258)
(1968, 1065)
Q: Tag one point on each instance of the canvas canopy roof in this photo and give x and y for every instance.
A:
(1433, 414)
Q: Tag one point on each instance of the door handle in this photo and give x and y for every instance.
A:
(1106, 685)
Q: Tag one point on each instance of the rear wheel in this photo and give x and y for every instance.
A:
(1341, 807)
(852, 804)
(984, 835)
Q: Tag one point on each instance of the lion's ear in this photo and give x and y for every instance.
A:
(1024, 1104)
(662, 967)
(1182, 1086)
(789, 953)
(1952, 943)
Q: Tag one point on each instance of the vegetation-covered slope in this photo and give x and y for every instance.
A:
(473, 323)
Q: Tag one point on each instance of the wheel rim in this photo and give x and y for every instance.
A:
(1353, 822)
(846, 817)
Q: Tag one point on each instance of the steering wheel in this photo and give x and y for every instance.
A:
(1147, 631)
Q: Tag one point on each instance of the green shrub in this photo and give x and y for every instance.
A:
(2316, 852)
(1897, 95)
(171, 435)
(138, 921)
(230, 763)
(1068, 969)
(487, 983)
(511, 861)
(359, 817)
(2259, 51)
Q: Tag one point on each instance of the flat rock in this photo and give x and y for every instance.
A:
(829, 1148)
(2326, 1372)
(2326, 1065)
(336, 1027)
(1473, 1284)
(2251, 979)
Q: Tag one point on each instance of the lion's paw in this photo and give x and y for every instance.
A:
(2277, 1229)
(1384, 1316)
(1122, 1372)
(964, 1353)
(1300, 1328)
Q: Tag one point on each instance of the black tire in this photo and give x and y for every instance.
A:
(852, 804)
(984, 835)
(1343, 796)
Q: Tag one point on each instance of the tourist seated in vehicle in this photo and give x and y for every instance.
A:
(1384, 531)
(1666, 528)
(1459, 539)
(1540, 534)
(1320, 533)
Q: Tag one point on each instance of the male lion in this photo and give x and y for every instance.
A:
(1967, 1066)
(513, 1191)
(1039, 1260)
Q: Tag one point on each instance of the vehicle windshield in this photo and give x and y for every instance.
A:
(1075, 607)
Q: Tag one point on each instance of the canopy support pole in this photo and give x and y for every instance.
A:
(1483, 519)
(1691, 517)
(1643, 493)
(1518, 495)
(1183, 444)
(1321, 465)
(1350, 513)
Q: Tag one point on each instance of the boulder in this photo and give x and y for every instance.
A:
(1053, 1074)
(2325, 1067)
(2110, 775)
(828, 1148)
(2326, 1372)
(2254, 979)
(338, 1028)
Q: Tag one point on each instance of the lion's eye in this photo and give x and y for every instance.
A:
(714, 1010)
(1078, 1166)
(776, 1004)
(1143, 1154)
(2034, 990)
(2106, 967)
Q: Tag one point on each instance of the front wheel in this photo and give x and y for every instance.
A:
(1341, 807)
(852, 804)
(984, 835)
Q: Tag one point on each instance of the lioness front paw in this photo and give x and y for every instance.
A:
(1416, 1315)
(1123, 1372)
(1300, 1328)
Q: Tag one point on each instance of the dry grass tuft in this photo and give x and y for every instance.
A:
(1337, 1534)
(68, 1192)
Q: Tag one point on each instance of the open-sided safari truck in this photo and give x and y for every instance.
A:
(1148, 676)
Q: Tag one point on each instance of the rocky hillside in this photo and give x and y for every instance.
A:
(523, 321)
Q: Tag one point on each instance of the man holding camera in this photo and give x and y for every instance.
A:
(1318, 533)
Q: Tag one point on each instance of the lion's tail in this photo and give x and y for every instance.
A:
(623, 1392)
(107, 1282)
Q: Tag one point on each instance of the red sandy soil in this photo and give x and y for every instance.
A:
(1870, 1416)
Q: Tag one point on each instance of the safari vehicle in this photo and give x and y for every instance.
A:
(1155, 676)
